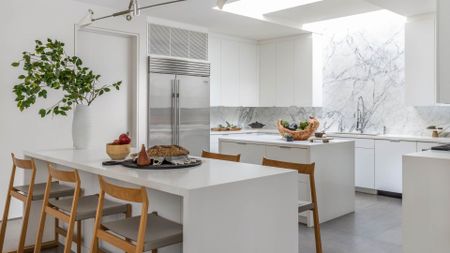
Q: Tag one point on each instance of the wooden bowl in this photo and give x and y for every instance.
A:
(300, 135)
(118, 152)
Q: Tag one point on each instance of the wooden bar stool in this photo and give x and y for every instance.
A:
(72, 210)
(137, 234)
(232, 158)
(306, 169)
(27, 194)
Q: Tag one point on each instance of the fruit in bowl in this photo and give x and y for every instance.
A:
(299, 132)
(119, 149)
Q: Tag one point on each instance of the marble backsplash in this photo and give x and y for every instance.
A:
(364, 64)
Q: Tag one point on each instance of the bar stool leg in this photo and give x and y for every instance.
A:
(79, 239)
(4, 221)
(26, 216)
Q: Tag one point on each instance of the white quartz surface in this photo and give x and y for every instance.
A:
(346, 135)
(436, 154)
(176, 181)
(270, 139)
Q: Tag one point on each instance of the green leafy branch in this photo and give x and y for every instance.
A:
(49, 67)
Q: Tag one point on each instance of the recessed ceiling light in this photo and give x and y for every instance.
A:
(257, 8)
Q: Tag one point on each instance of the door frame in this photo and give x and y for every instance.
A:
(134, 87)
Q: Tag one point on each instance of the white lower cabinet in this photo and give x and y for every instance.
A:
(250, 153)
(388, 163)
(365, 168)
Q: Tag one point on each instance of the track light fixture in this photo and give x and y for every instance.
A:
(133, 11)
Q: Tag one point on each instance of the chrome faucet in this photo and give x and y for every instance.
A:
(360, 113)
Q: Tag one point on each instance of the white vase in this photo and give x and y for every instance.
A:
(81, 127)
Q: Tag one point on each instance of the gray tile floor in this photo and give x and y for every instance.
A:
(374, 227)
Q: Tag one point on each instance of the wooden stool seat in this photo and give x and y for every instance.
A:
(87, 207)
(304, 206)
(57, 190)
(160, 232)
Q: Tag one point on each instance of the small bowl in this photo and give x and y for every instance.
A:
(118, 152)
(319, 134)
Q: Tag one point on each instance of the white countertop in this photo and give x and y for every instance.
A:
(271, 139)
(435, 154)
(395, 137)
(177, 181)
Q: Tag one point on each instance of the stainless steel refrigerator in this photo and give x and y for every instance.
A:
(179, 103)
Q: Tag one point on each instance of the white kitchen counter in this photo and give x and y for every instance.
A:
(426, 202)
(394, 137)
(334, 168)
(271, 139)
(221, 204)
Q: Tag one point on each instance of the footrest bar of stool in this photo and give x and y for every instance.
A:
(44, 245)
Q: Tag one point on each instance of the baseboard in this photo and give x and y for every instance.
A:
(390, 194)
(366, 190)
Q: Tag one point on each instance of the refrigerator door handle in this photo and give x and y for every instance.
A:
(178, 110)
(173, 112)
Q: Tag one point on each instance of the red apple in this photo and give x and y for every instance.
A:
(124, 139)
(116, 142)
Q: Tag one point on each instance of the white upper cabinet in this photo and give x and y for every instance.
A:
(248, 75)
(291, 71)
(234, 71)
(229, 73)
(285, 73)
(282, 72)
(420, 60)
(443, 51)
(267, 74)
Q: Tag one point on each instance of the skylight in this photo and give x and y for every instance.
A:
(257, 8)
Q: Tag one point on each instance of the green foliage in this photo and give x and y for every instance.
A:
(49, 68)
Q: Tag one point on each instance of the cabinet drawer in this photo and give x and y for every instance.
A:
(364, 143)
(289, 154)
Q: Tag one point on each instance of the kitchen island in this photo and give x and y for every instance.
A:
(223, 206)
(334, 171)
(426, 202)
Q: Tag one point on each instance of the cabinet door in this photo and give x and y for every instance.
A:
(248, 75)
(303, 74)
(229, 84)
(420, 61)
(267, 74)
(388, 164)
(285, 73)
(443, 51)
(214, 52)
(250, 153)
(365, 168)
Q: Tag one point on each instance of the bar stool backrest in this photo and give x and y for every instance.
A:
(232, 158)
(136, 195)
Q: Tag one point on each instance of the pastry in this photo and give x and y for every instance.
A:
(167, 151)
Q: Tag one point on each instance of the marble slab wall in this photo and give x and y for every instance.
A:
(362, 65)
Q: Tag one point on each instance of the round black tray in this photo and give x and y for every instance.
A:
(165, 166)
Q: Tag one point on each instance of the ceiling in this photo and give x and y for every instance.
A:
(319, 11)
(277, 24)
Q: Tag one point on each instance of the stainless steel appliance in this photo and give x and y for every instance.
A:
(179, 103)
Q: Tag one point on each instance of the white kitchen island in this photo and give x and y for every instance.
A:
(334, 171)
(223, 206)
(426, 202)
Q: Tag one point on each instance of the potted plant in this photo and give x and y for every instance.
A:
(50, 68)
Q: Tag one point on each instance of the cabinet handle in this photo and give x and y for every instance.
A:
(284, 147)
(394, 140)
(242, 143)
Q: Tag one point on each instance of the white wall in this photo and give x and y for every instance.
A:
(23, 21)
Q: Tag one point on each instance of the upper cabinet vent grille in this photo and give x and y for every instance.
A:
(171, 41)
